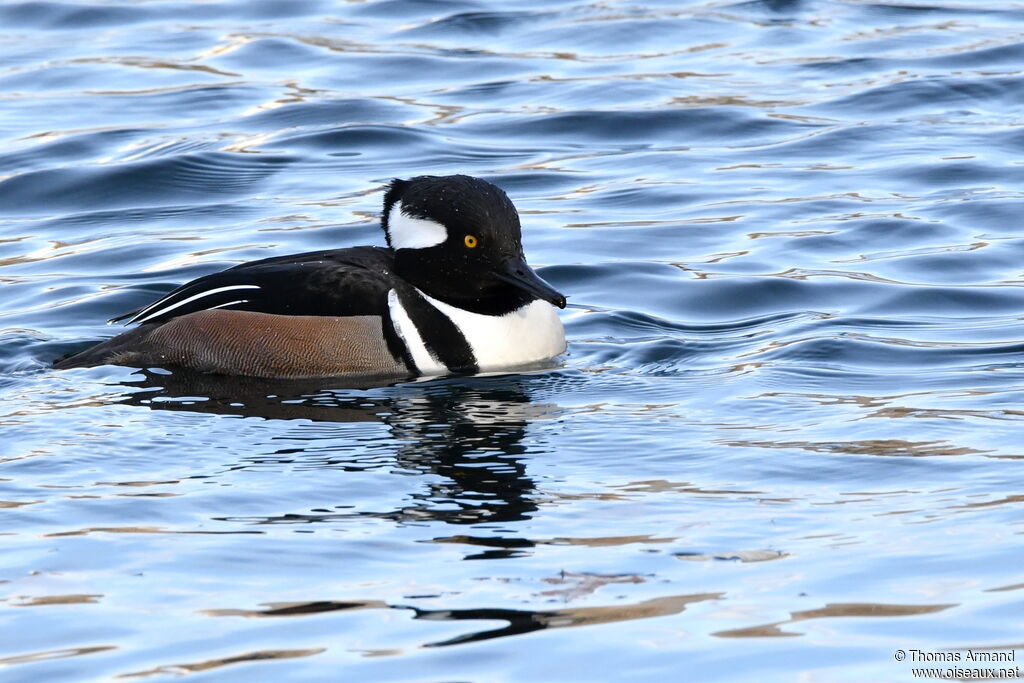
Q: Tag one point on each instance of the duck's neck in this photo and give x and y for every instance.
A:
(452, 285)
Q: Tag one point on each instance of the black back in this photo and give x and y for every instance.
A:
(341, 282)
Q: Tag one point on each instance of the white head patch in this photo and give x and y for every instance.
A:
(407, 232)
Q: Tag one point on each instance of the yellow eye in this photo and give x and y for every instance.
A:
(470, 241)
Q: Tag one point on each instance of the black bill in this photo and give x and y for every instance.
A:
(515, 271)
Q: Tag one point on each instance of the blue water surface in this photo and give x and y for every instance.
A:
(786, 440)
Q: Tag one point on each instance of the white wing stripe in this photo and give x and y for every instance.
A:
(230, 303)
(160, 311)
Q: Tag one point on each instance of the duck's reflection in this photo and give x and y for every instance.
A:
(471, 431)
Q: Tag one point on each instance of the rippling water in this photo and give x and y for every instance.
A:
(787, 435)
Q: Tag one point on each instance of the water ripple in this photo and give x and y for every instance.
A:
(788, 417)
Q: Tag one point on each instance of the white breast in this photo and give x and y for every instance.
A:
(532, 333)
(528, 335)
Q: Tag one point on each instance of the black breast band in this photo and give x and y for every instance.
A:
(442, 338)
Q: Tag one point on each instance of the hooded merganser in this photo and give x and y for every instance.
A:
(452, 293)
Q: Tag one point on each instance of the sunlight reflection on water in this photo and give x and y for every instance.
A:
(785, 435)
